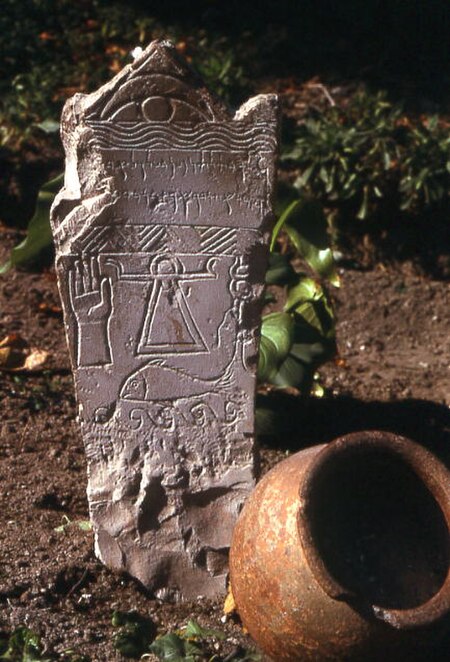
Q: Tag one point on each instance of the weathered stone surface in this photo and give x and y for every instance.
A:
(161, 233)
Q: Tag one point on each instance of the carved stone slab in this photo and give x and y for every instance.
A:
(161, 233)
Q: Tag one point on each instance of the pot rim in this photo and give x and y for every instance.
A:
(436, 479)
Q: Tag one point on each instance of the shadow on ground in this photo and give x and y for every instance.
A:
(289, 423)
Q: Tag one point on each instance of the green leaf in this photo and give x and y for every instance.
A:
(39, 232)
(309, 353)
(304, 178)
(306, 226)
(193, 629)
(48, 126)
(84, 524)
(168, 647)
(278, 328)
(128, 644)
(290, 351)
(276, 339)
(316, 315)
(286, 193)
(363, 211)
(268, 360)
(293, 344)
(320, 260)
(66, 522)
(290, 373)
(317, 390)
(280, 271)
(182, 646)
(24, 646)
(172, 648)
(135, 634)
(306, 289)
(282, 220)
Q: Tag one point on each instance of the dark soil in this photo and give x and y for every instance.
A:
(392, 373)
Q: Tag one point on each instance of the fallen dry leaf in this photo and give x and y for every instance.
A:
(17, 356)
(49, 309)
(13, 340)
(35, 359)
(229, 606)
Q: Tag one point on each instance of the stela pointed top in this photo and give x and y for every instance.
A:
(161, 234)
(159, 86)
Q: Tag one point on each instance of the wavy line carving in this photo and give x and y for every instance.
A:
(209, 135)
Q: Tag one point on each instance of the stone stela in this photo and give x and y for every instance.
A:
(161, 234)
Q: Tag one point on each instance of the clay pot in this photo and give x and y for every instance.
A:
(342, 552)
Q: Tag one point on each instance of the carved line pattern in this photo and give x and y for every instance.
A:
(151, 236)
(171, 417)
(96, 238)
(217, 240)
(212, 240)
(139, 135)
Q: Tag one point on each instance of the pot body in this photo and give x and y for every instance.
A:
(287, 598)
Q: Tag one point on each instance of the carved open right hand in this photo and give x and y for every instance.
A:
(90, 292)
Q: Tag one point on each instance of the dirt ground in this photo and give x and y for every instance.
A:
(392, 373)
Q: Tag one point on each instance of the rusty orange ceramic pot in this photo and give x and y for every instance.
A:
(343, 553)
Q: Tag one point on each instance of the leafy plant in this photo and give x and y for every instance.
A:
(134, 635)
(218, 63)
(367, 150)
(298, 339)
(426, 168)
(192, 643)
(39, 233)
(173, 647)
(23, 645)
(84, 525)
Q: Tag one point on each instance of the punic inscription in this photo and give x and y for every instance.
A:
(162, 235)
